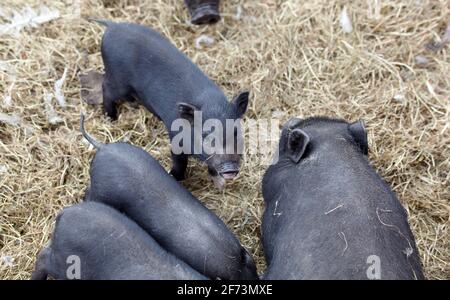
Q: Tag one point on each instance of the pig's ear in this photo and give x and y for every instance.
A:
(186, 111)
(359, 134)
(297, 142)
(293, 123)
(241, 102)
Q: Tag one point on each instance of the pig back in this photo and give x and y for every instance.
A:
(131, 180)
(159, 74)
(331, 213)
(110, 246)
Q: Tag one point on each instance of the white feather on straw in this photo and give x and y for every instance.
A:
(59, 94)
(13, 119)
(238, 14)
(8, 261)
(3, 169)
(7, 98)
(27, 17)
(203, 39)
(52, 116)
(345, 22)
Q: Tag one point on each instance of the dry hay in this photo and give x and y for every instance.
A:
(294, 58)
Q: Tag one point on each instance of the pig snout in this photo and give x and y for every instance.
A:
(223, 172)
(222, 168)
(228, 170)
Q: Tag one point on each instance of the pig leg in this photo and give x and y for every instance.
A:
(112, 93)
(41, 270)
(133, 100)
(109, 102)
(179, 166)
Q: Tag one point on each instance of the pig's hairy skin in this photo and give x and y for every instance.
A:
(329, 212)
(129, 179)
(109, 246)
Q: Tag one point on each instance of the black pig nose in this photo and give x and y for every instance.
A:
(228, 167)
(228, 170)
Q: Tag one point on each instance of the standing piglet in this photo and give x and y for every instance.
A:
(142, 65)
(92, 241)
(131, 180)
(328, 214)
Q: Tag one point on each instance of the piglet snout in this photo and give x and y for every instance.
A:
(229, 175)
(228, 170)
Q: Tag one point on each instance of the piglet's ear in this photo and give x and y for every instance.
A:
(359, 133)
(293, 123)
(186, 111)
(241, 101)
(297, 142)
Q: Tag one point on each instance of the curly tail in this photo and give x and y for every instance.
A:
(105, 23)
(90, 139)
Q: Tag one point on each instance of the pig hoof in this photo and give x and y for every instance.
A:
(219, 182)
(205, 15)
(111, 117)
(177, 175)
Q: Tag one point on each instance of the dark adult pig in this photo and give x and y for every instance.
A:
(132, 181)
(142, 65)
(203, 11)
(328, 214)
(106, 245)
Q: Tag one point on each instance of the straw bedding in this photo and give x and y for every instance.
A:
(295, 59)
